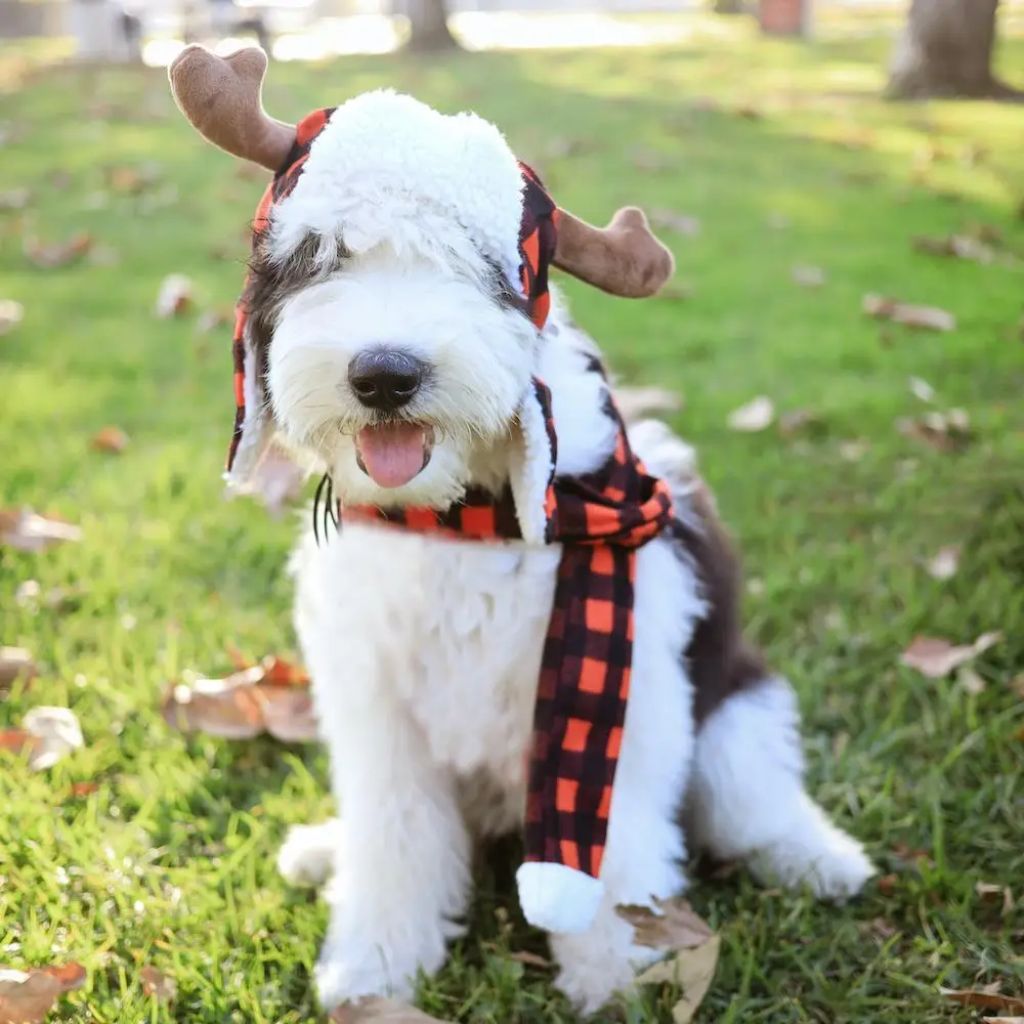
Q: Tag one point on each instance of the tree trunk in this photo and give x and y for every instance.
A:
(429, 23)
(946, 50)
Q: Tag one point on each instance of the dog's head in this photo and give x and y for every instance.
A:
(393, 315)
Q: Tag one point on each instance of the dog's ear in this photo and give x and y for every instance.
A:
(532, 464)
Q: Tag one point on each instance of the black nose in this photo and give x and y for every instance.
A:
(384, 378)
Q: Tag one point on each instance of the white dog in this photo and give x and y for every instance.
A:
(387, 337)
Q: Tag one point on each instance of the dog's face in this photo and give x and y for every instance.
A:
(392, 342)
(400, 373)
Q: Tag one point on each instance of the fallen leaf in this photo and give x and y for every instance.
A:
(25, 530)
(797, 421)
(961, 247)
(17, 741)
(15, 662)
(944, 563)
(26, 997)
(15, 199)
(921, 389)
(692, 970)
(672, 925)
(174, 297)
(671, 220)
(52, 255)
(83, 789)
(524, 956)
(110, 439)
(969, 681)
(944, 431)
(935, 658)
(887, 884)
(378, 1010)
(808, 276)
(244, 705)
(635, 403)
(755, 416)
(159, 985)
(58, 734)
(982, 1000)
(925, 317)
(11, 314)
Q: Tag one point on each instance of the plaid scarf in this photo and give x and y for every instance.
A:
(600, 519)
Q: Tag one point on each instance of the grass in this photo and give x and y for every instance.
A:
(786, 154)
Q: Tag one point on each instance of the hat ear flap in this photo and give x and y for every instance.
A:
(254, 429)
(532, 465)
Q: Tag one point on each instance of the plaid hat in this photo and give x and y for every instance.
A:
(599, 518)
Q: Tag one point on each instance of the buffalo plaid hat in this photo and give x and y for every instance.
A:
(600, 519)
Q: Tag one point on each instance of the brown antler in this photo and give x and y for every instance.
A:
(222, 97)
(624, 258)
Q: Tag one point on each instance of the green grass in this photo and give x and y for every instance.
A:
(170, 861)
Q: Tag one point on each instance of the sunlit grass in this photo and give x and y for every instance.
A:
(787, 155)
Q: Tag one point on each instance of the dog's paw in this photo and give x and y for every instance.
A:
(307, 855)
(835, 870)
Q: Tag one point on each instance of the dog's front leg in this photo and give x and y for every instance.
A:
(401, 875)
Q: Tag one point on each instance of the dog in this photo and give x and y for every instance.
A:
(398, 333)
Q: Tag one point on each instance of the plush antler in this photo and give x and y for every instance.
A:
(624, 258)
(222, 97)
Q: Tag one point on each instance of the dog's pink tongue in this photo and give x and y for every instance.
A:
(392, 454)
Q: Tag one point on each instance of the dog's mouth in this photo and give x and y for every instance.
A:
(392, 454)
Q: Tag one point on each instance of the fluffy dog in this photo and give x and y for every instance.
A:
(393, 331)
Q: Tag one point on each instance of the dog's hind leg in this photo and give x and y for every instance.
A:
(307, 855)
(747, 798)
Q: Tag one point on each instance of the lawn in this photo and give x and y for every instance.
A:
(787, 157)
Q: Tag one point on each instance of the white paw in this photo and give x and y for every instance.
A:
(835, 870)
(307, 855)
(358, 961)
(596, 965)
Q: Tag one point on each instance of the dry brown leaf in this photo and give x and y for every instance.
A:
(15, 199)
(52, 255)
(692, 970)
(925, 317)
(17, 741)
(983, 1000)
(935, 658)
(961, 247)
(174, 297)
(671, 220)
(159, 985)
(635, 403)
(79, 790)
(11, 314)
(887, 884)
(524, 956)
(753, 417)
(377, 1010)
(26, 997)
(57, 733)
(944, 431)
(25, 530)
(110, 439)
(16, 662)
(808, 276)
(244, 704)
(673, 925)
(944, 563)
(969, 681)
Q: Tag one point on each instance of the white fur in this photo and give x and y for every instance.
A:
(424, 651)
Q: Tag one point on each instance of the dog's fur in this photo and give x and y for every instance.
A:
(425, 652)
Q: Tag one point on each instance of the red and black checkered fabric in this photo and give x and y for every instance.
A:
(599, 518)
